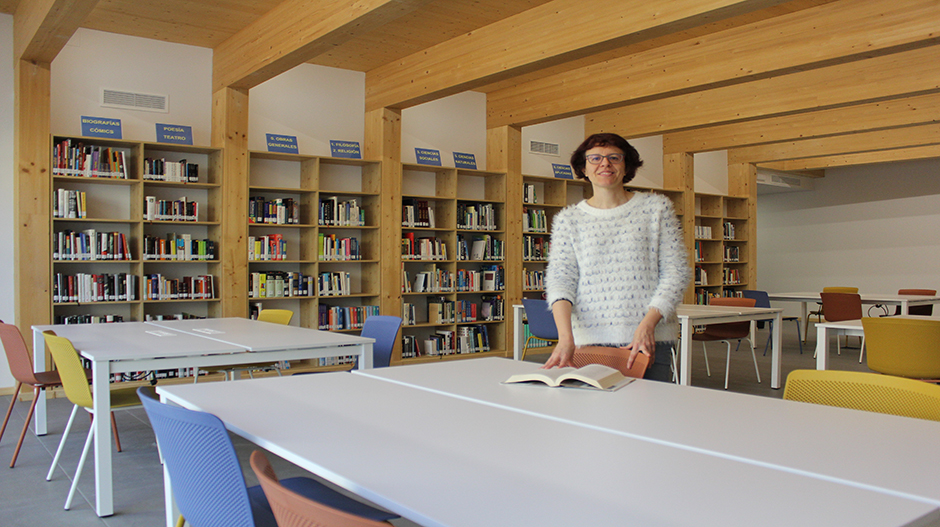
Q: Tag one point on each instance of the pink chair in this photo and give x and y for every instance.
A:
(614, 357)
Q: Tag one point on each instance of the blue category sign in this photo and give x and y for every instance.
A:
(562, 171)
(284, 144)
(428, 157)
(462, 160)
(347, 149)
(101, 127)
(174, 133)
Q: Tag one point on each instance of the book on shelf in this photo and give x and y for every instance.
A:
(79, 160)
(170, 171)
(592, 376)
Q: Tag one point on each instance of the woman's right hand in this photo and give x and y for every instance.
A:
(561, 357)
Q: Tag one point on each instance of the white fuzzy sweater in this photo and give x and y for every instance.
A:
(613, 265)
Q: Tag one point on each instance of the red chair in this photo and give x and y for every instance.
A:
(917, 310)
(843, 306)
(729, 331)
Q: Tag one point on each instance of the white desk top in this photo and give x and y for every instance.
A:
(443, 461)
(261, 336)
(130, 341)
(700, 312)
(867, 449)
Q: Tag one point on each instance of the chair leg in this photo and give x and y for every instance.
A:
(754, 356)
(117, 438)
(861, 353)
(65, 435)
(81, 464)
(798, 336)
(727, 362)
(29, 416)
(708, 370)
(16, 392)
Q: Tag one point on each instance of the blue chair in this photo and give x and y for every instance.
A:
(384, 329)
(762, 299)
(541, 322)
(208, 482)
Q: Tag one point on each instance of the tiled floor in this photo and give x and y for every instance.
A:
(26, 499)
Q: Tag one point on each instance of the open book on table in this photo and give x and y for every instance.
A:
(595, 376)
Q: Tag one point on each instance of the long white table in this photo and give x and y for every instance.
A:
(824, 330)
(143, 346)
(691, 315)
(448, 461)
(888, 299)
(530, 455)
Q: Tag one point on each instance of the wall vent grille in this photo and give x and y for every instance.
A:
(543, 148)
(146, 102)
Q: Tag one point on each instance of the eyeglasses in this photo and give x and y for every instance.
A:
(595, 159)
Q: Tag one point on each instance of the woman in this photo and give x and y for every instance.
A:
(617, 266)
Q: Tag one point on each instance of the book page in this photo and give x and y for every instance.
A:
(597, 375)
(549, 377)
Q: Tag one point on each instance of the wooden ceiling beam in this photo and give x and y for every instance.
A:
(915, 72)
(862, 158)
(294, 32)
(553, 33)
(820, 36)
(41, 28)
(838, 145)
(908, 111)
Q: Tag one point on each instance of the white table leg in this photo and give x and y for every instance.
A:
(822, 347)
(39, 364)
(365, 356)
(517, 332)
(905, 309)
(685, 352)
(101, 395)
(776, 372)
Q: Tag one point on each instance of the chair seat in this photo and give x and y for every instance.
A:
(316, 491)
(124, 397)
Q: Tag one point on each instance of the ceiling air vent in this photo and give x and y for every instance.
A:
(543, 148)
(146, 102)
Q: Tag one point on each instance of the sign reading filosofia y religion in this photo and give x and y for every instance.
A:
(346, 149)
(425, 156)
(175, 134)
(284, 144)
(101, 127)
(462, 160)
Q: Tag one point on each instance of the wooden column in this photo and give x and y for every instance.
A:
(32, 195)
(742, 183)
(504, 154)
(230, 132)
(383, 142)
(679, 174)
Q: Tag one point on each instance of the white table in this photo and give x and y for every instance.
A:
(832, 443)
(141, 346)
(824, 330)
(691, 315)
(440, 460)
(888, 299)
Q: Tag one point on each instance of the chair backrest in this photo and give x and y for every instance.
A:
(21, 366)
(208, 483)
(71, 372)
(614, 357)
(917, 310)
(729, 330)
(903, 347)
(539, 316)
(840, 290)
(276, 316)
(761, 298)
(872, 392)
(384, 329)
(841, 306)
(293, 510)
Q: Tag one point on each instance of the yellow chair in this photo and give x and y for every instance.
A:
(871, 392)
(75, 384)
(819, 311)
(904, 347)
(274, 316)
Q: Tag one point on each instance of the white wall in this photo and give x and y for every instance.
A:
(452, 124)
(711, 172)
(7, 305)
(566, 133)
(876, 227)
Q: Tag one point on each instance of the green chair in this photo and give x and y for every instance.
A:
(871, 392)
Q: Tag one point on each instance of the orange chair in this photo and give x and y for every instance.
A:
(843, 306)
(917, 310)
(614, 357)
(293, 510)
(819, 312)
(729, 331)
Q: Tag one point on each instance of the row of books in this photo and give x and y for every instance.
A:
(533, 280)
(336, 318)
(90, 245)
(728, 230)
(528, 193)
(703, 231)
(535, 342)
(431, 280)
(280, 284)
(423, 248)
(534, 220)
(331, 247)
(476, 216)
(160, 287)
(484, 247)
(731, 276)
(336, 213)
(171, 171)
(181, 247)
(534, 248)
(699, 251)
(441, 310)
(417, 213)
(701, 276)
(69, 204)
(87, 319)
(489, 278)
(732, 253)
(279, 211)
(94, 287)
(170, 209)
(79, 160)
(467, 339)
(267, 247)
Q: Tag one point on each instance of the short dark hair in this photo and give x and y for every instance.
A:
(631, 158)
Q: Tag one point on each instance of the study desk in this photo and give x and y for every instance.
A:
(445, 461)
(888, 299)
(852, 328)
(142, 346)
(691, 315)
(836, 444)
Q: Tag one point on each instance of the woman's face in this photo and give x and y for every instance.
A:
(605, 173)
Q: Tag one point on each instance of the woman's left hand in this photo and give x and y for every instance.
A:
(644, 338)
